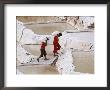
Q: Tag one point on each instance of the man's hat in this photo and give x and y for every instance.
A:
(60, 34)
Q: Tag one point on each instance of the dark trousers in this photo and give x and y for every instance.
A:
(43, 52)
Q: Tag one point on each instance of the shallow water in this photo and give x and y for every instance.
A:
(37, 69)
(49, 28)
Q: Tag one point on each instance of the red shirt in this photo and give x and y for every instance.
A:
(43, 45)
(55, 40)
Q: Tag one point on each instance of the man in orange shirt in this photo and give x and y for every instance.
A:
(43, 51)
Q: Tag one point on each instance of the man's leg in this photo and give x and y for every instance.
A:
(45, 58)
(45, 55)
(55, 49)
(40, 55)
(58, 46)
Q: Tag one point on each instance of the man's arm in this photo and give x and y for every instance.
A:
(46, 41)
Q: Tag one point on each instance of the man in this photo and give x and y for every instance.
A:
(56, 43)
(42, 49)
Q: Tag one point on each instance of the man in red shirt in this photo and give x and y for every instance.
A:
(56, 44)
(43, 51)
